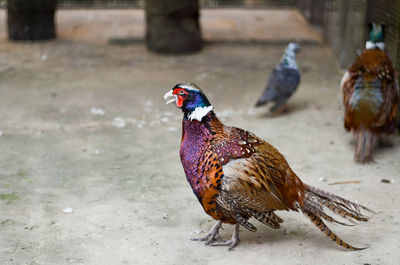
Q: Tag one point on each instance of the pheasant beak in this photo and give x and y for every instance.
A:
(168, 95)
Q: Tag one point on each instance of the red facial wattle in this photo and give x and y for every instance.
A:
(180, 96)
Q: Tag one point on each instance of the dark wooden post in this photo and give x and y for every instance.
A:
(352, 30)
(317, 12)
(31, 19)
(172, 26)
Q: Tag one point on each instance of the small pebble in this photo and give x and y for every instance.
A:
(119, 122)
(97, 111)
(67, 210)
(196, 231)
(387, 180)
(164, 119)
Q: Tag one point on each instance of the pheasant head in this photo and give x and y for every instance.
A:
(190, 99)
(375, 37)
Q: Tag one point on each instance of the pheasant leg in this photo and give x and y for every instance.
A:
(231, 243)
(212, 234)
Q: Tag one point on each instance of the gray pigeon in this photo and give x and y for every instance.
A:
(283, 81)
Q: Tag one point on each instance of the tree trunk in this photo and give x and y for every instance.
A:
(31, 19)
(172, 26)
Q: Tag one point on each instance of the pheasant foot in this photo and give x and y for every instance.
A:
(231, 243)
(212, 234)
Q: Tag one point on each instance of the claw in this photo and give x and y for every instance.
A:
(210, 241)
(231, 243)
(210, 238)
(212, 234)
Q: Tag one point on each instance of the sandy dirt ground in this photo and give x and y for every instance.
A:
(90, 171)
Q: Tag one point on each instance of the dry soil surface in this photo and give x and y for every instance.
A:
(90, 171)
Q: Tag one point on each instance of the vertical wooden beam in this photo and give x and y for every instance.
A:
(352, 30)
(172, 26)
(31, 19)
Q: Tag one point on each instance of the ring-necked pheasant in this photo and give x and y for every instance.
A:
(235, 175)
(370, 95)
(283, 81)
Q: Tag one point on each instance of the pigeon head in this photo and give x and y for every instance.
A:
(289, 57)
(190, 99)
(293, 47)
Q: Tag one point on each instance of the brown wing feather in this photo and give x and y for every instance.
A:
(256, 175)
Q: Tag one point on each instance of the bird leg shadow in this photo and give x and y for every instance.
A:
(385, 141)
(279, 107)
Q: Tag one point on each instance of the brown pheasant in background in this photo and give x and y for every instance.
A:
(235, 175)
(370, 96)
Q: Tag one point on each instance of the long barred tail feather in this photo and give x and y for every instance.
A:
(343, 213)
(316, 208)
(325, 229)
(339, 201)
(313, 207)
(365, 142)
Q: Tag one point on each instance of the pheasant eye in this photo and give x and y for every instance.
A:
(181, 93)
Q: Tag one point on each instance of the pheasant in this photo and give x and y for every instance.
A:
(370, 96)
(235, 175)
(283, 81)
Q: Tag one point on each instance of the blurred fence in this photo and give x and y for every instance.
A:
(387, 12)
(343, 24)
(204, 3)
(101, 3)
